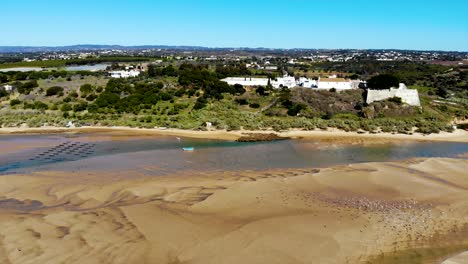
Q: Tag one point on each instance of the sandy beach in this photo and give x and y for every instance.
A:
(335, 135)
(413, 211)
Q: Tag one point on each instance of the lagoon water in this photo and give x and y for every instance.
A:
(164, 155)
(21, 69)
(95, 67)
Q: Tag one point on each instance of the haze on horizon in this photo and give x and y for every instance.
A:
(360, 24)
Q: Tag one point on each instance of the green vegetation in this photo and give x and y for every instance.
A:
(40, 64)
(14, 102)
(383, 81)
(27, 87)
(55, 90)
(187, 96)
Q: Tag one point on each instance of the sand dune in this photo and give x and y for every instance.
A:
(376, 212)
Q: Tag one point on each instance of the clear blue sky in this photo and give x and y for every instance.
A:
(402, 24)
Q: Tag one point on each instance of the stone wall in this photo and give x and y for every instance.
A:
(408, 96)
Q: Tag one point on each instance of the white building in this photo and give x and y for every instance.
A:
(337, 83)
(246, 81)
(8, 88)
(286, 81)
(124, 74)
(408, 96)
(271, 68)
(307, 83)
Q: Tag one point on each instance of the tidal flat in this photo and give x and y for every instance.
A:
(118, 199)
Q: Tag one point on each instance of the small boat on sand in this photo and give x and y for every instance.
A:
(188, 149)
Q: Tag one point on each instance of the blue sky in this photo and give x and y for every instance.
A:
(402, 24)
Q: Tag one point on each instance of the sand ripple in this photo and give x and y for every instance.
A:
(348, 214)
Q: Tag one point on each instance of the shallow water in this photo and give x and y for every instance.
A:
(158, 155)
(95, 67)
(21, 69)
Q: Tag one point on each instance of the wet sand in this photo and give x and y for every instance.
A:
(458, 259)
(390, 212)
(334, 135)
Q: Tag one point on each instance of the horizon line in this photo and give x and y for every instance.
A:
(220, 47)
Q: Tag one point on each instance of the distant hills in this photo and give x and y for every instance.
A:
(93, 47)
(89, 47)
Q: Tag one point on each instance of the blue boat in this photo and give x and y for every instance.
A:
(189, 149)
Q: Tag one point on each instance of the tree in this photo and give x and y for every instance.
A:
(354, 76)
(239, 88)
(442, 92)
(260, 90)
(169, 71)
(152, 70)
(383, 81)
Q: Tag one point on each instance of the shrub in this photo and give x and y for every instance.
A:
(54, 90)
(15, 102)
(242, 101)
(3, 93)
(200, 103)
(91, 97)
(254, 105)
(260, 90)
(80, 107)
(27, 87)
(328, 115)
(395, 100)
(40, 106)
(86, 89)
(66, 107)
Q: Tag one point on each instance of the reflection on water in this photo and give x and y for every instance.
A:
(163, 155)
